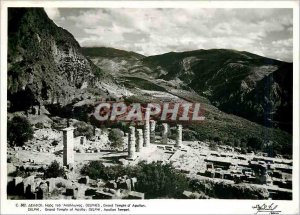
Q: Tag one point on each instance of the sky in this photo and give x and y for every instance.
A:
(151, 31)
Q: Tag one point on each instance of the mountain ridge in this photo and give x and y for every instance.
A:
(228, 78)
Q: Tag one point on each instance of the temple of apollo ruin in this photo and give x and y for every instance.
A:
(139, 139)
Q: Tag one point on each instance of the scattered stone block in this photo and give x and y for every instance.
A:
(42, 192)
(70, 166)
(17, 181)
(190, 195)
(69, 192)
(112, 184)
(128, 183)
(29, 181)
(135, 195)
(82, 140)
(100, 183)
(133, 182)
(90, 192)
(185, 171)
(84, 180)
(51, 184)
(103, 195)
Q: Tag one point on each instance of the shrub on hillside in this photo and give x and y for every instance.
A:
(254, 144)
(159, 180)
(19, 131)
(54, 170)
(116, 138)
(156, 180)
(84, 129)
(96, 169)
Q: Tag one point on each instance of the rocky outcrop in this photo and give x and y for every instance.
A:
(45, 63)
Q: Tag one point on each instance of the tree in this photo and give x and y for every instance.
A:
(159, 180)
(84, 129)
(19, 131)
(237, 143)
(213, 146)
(254, 143)
(217, 139)
(54, 170)
(96, 169)
(116, 138)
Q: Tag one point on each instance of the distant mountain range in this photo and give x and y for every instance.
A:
(241, 83)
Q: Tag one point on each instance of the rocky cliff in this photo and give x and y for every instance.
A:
(45, 62)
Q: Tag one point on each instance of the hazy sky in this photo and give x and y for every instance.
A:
(266, 32)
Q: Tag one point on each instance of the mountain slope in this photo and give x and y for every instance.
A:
(45, 63)
(113, 61)
(241, 83)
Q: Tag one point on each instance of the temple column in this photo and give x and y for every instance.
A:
(68, 142)
(152, 131)
(164, 135)
(140, 140)
(179, 136)
(147, 128)
(131, 143)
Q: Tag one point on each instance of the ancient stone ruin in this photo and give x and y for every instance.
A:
(164, 135)
(152, 131)
(131, 144)
(140, 140)
(68, 143)
(147, 128)
(179, 136)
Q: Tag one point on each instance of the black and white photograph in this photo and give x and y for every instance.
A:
(147, 103)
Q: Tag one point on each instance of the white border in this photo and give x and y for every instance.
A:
(158, 206)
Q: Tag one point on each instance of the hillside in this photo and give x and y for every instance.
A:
(114, 61)
(45, 63)
(241, 83)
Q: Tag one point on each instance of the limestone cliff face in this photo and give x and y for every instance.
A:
(45, 63)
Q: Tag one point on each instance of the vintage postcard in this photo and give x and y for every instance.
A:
(149, 107)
